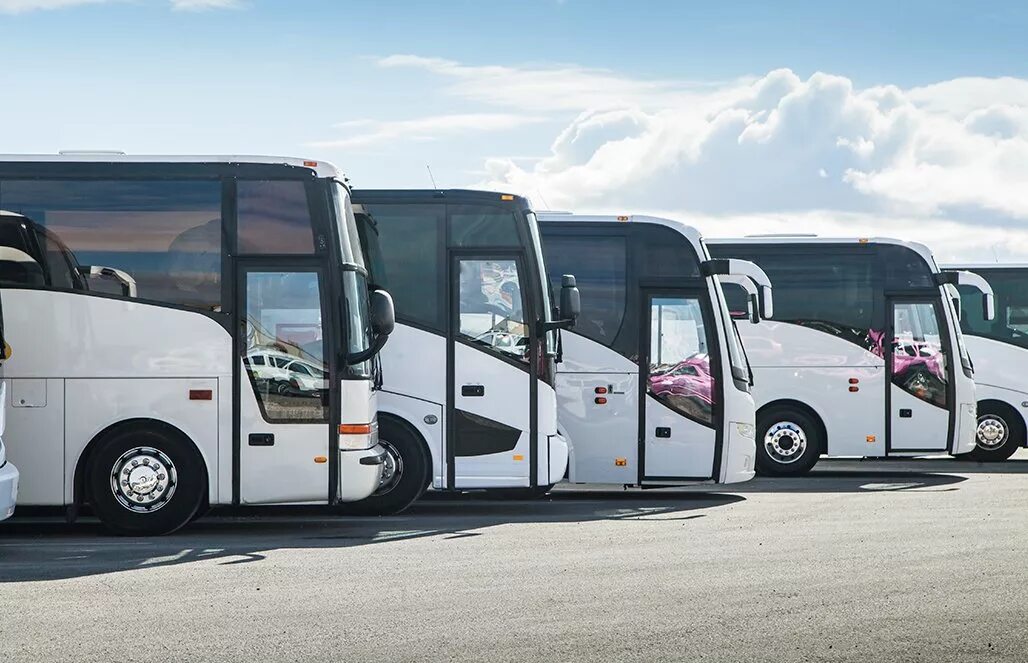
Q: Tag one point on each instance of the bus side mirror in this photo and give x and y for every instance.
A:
(383, 314)
(570, 299)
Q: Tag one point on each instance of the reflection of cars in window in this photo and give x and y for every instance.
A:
(283, 373)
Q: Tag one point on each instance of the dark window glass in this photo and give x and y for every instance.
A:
(165, 235)
(491, 311)
(678, 374)
(598, 264)
(663, 252)
(905, 269)
(257, 360)
(274, 217)
(819, 287)
(1010, 287)
(403, 245)
(58, 261)
(18, 265)
(919, 362)
(482, 225)
(284, 323)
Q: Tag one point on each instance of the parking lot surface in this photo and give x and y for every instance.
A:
(861, 561)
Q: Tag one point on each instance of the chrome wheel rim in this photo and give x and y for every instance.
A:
(785, 442)
(992, 432)
(392, 468)
(143, 479)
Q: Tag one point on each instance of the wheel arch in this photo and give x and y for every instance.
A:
(792, 404)
(412, 430)
(80, 497)
(1013, 415)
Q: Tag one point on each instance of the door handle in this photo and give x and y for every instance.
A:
(472, 390)
(261, 440)
(663, 431)
(906, 413)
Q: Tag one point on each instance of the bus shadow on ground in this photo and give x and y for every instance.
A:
(49, 549)
(1016, 465)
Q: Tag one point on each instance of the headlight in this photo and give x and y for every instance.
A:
(748, 431)
(357, 437)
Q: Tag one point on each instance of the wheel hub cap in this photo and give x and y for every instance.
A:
(785, 442)
(392, 468)
(143, 479)
(992, 432)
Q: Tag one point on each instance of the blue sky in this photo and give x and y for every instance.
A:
(905, 118)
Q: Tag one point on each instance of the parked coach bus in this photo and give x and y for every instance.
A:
(191, 331)
(864, 356)
(467, 400)
(999, 349)
(653, 387)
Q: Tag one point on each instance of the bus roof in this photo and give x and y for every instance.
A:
(320, 168)
(916, 247)
(371, 196)
(689, 232)
(972, 266)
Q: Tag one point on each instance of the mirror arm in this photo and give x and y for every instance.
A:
(354, 358)
(553, 325)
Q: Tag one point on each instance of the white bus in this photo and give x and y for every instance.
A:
(8, 472)
(864, 356)
(999, 350)
(467, 399)
(653, 387)
(147, 299)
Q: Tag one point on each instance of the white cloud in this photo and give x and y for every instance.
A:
(23, 6)
(370, 132)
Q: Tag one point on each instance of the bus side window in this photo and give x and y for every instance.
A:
(274, 217)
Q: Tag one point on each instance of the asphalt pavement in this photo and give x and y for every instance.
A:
(861, 561)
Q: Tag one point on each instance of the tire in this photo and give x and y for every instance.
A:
(998, 434)
(159, 460)
(789, 442)
(410, 464)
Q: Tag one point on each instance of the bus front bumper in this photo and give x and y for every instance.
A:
(360, 472)
(8, 490)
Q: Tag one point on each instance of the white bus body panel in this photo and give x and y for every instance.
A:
(598, 435)
(926, 430)
(795, 363)
(92, 362)
(1000, 373)
(506, 468)
(359, 406)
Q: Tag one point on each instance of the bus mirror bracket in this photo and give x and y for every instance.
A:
(570, 306)
(745, 268)
(958, 277)
(752, 298)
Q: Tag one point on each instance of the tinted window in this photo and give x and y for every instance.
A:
(829, 289)
(475, 225)
(678, 373)
(905, 269)
(62, 274)
(1011, 291)
(919, 361)
(164, 234)
(403, 248)
(598, 264)
(663, 252)
(274, 217)
(492, 314)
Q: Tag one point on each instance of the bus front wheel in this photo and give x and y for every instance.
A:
(999, 433)
(788, 442)
(405, 473)
(145, 481)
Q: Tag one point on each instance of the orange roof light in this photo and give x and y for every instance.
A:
(506, 196)
(311, 164)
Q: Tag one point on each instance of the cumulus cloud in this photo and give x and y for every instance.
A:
(368, 132)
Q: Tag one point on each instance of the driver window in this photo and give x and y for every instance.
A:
(491, 314)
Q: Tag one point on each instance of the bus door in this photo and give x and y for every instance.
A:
(489, 433)
(284, 385)
(920, 376)
(679, 400)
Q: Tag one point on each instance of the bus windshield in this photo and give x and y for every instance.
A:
(547, 293)
(355, 281)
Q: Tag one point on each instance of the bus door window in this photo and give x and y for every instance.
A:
(491, 306)
(918, 358)
(678, 373)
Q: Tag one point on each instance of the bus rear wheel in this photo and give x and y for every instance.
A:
(788, 442)
(145, 481)
(998, 434)
(405, 473)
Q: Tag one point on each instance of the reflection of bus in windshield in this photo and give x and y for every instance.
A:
(155, 297)
(468, 399)
(863, 357)
(654, 387)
